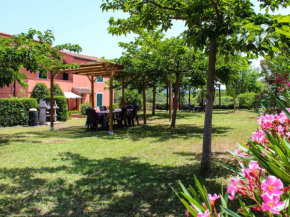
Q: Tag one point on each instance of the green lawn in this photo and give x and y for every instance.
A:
(71, 172)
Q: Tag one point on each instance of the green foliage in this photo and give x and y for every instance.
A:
(116, 105)
(84, 107)
(161, 106)
(57, 91)
(40, 91)
(248, 100)
(74, 112)
(62, 111)
(23, 51)
(14, 111)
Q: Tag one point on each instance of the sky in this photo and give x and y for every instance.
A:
(74, 21)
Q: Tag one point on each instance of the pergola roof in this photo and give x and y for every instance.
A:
(99, 69)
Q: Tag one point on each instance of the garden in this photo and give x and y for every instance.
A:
(202, 150)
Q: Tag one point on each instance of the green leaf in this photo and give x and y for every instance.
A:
(230, 212)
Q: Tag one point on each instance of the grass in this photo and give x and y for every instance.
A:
(71, 172)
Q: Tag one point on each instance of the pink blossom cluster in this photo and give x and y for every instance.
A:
(278, 123)
(206, 213)
(252, 184)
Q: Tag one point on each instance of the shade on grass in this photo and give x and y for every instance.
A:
(74, 172)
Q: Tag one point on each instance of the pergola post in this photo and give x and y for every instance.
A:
(51, 102)
(170, 100)
(189, 96)
(167, 99)
(93, 91)
(111, 102)
(123, 93)
(144, 102)
(220, 97)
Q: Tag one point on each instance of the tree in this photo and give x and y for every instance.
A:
(57, 91)
(40, 91)
(24, 51)
(216, 26)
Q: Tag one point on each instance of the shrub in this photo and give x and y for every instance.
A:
(84, 107)
(116, 105)
(40, 91)
(247, 100)
(74, 112)
(57, 91)
(263, 179)
(14, 111)
(62, 111)
(160, 106)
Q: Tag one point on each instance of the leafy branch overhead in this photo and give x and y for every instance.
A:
(33, 51)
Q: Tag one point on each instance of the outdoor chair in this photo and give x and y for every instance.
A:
(103, 108)
(133, 115)
(129, 107)
(122, 118)
(93, 119)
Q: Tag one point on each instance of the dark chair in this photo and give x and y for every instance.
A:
(133, 115)
(122, 118)
(103, 108)
(129, 107)
(93, 119)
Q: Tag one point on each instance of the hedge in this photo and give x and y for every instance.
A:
(248, 100)
(62, 111)
(15, 111)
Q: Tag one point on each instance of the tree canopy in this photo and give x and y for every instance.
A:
(33, 51)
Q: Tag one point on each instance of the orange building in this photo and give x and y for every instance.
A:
(80, 85)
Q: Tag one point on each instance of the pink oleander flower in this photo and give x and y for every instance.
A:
(213, 198)
(252, 170)
(259, 136)
(205, 214)
(241, 153)
(271, 204)
(266, 121)
(281, 130)
(272, 186)
(233, 187)
(187, 213)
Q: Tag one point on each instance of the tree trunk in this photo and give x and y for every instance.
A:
(206, 149)
(176, 97)
(51, 102)
(189, 97)
(154, 100)
(235, 101)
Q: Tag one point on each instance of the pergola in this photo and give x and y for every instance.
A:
(92, 71)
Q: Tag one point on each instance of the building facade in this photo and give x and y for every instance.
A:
(77, 84)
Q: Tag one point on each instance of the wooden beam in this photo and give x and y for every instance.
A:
(111, 102)
(51, 102)
(144, 102)
(170, 100)
(123, 93)
(93, 91)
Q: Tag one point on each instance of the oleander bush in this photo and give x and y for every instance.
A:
(262, 184)
(62, 111)
(15, 111)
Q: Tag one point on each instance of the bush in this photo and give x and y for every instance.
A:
(247, 100)
(160, 106)
(15, 111)
(263, 178)
(57, 91)
(62, 111)
(116, 105)
(40, 91)
(74, 112)
(84, 107)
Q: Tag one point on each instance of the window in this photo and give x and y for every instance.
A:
(65, 76)
(100, 79)
(42, 74)
(99, 99)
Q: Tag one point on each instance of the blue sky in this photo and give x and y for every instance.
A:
(73, 21)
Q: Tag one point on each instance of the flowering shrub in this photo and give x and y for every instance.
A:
(263, 179)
